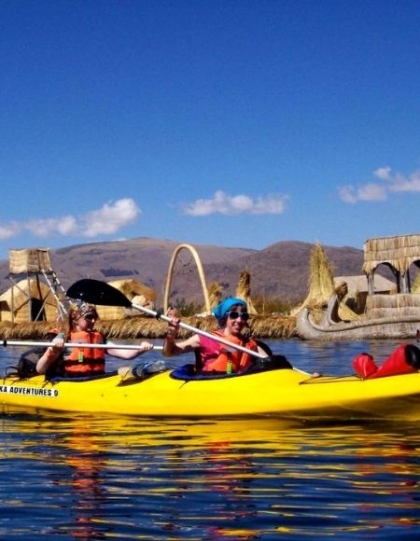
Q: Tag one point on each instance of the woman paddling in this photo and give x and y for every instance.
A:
(212, 356)
(82, 361)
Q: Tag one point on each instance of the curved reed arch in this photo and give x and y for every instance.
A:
(200, 271)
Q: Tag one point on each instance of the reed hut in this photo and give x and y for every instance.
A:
(136, 292)
(28, 300)
(399, 253)
(36, 293)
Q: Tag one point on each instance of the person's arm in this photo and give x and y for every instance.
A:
(50, 355)
(171, 348)
(128, 354)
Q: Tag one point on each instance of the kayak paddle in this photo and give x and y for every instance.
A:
(101, 293)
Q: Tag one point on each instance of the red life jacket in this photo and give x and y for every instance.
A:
(85, 361)
(215, 356)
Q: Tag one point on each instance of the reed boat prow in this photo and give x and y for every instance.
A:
(367, 306)
(362, 329)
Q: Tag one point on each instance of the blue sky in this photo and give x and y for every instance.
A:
(234, 122)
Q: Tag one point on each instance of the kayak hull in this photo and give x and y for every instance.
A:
(284, 393)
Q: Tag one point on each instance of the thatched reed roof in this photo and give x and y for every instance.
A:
(399, 252)
(29, 260)
(23, 298)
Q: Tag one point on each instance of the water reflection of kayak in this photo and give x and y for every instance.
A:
(282, 392)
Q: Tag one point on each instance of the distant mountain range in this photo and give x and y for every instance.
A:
(279, 271)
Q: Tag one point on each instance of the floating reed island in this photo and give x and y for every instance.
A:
(140, 327)
(39, 292)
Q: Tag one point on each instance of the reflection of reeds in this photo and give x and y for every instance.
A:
(273, 326)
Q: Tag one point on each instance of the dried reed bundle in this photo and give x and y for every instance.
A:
(321, 282)
(243, 290)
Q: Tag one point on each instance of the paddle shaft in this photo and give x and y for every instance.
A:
(199, 331)
(28, 343)
(96, 292)
(207, 334)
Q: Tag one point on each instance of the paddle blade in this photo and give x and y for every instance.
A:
(97, 292)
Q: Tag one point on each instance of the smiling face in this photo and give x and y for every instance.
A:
(83, 317)
(87, 322)
(236, 319)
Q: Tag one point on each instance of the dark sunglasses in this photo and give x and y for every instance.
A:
(234, 315)
(90, 318)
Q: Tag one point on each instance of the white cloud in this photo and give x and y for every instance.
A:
(107, 220)
(347, 194)
(372, 192)
(402, 184)
(375, 191)
(383, 173)
(9, 231)
(110, 218)
(222, 203)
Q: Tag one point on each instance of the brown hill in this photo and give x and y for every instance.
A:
(278, 271)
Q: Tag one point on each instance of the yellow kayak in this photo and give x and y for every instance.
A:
(284, 392)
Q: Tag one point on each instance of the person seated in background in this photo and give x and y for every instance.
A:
(211, 355)
(82, 361)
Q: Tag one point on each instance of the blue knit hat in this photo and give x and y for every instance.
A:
(221, 309)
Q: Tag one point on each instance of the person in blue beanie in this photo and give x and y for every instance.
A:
(212, 356)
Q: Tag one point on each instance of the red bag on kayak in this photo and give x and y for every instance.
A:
(364, 365)
(404, 360)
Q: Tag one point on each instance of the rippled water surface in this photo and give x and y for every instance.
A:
(102, 477)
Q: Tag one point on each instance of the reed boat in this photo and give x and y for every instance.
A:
(281, 392)
(397, 326)
(368, 306)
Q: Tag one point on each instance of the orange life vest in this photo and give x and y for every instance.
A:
(85, 361)
(216, 356)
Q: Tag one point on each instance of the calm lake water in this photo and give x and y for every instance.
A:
(102, 477)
